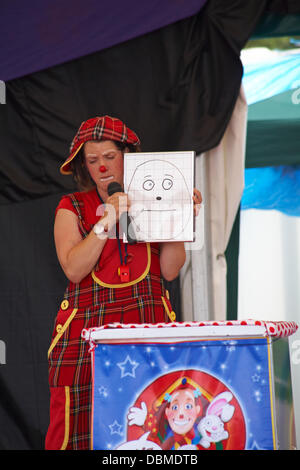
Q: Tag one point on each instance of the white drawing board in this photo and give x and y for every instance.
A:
(160, 189)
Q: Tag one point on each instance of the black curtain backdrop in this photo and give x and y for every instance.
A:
(176, 87)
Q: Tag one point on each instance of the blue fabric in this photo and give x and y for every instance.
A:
(39, 35)
(266, 79)
(275, 187)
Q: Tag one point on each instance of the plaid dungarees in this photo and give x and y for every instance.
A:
(88, 304)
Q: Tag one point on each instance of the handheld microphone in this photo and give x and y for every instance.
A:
(125, 220)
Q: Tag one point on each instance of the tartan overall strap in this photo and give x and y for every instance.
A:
(77, 204)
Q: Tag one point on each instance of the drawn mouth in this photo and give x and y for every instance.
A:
(158, 210)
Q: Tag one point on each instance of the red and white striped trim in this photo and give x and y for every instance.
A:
(278, 329)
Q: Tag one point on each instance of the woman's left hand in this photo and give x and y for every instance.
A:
(197, 198)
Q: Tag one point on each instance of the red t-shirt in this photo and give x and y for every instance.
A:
(92, 209)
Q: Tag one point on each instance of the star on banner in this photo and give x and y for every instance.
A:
(115, 428)
(128, 367)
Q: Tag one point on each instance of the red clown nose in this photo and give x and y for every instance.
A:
(102, 168)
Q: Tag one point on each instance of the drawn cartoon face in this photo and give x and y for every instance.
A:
(182, 411)
(161, 200)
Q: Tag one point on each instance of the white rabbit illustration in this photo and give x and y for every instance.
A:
(211, 427)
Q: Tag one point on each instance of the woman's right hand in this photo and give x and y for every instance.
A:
(115, 206)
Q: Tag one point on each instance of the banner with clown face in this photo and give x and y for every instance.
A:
(205, 394)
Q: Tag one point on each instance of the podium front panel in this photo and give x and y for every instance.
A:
(173, 393)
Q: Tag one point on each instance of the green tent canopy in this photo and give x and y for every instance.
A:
(273, 131)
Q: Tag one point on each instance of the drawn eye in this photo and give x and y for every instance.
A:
(167, 183)
(148, 185)
(175, 407)
(188, 406)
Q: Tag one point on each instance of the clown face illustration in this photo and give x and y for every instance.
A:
(182, 412)
(161, 201)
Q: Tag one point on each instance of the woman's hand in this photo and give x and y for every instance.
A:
(115, 206)
(197, 198)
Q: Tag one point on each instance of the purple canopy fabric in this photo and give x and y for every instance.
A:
(36, 35)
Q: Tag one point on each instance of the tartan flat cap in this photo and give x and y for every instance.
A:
(99, 128)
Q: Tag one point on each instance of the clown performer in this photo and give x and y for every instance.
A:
(109, 281)
(175, 415)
